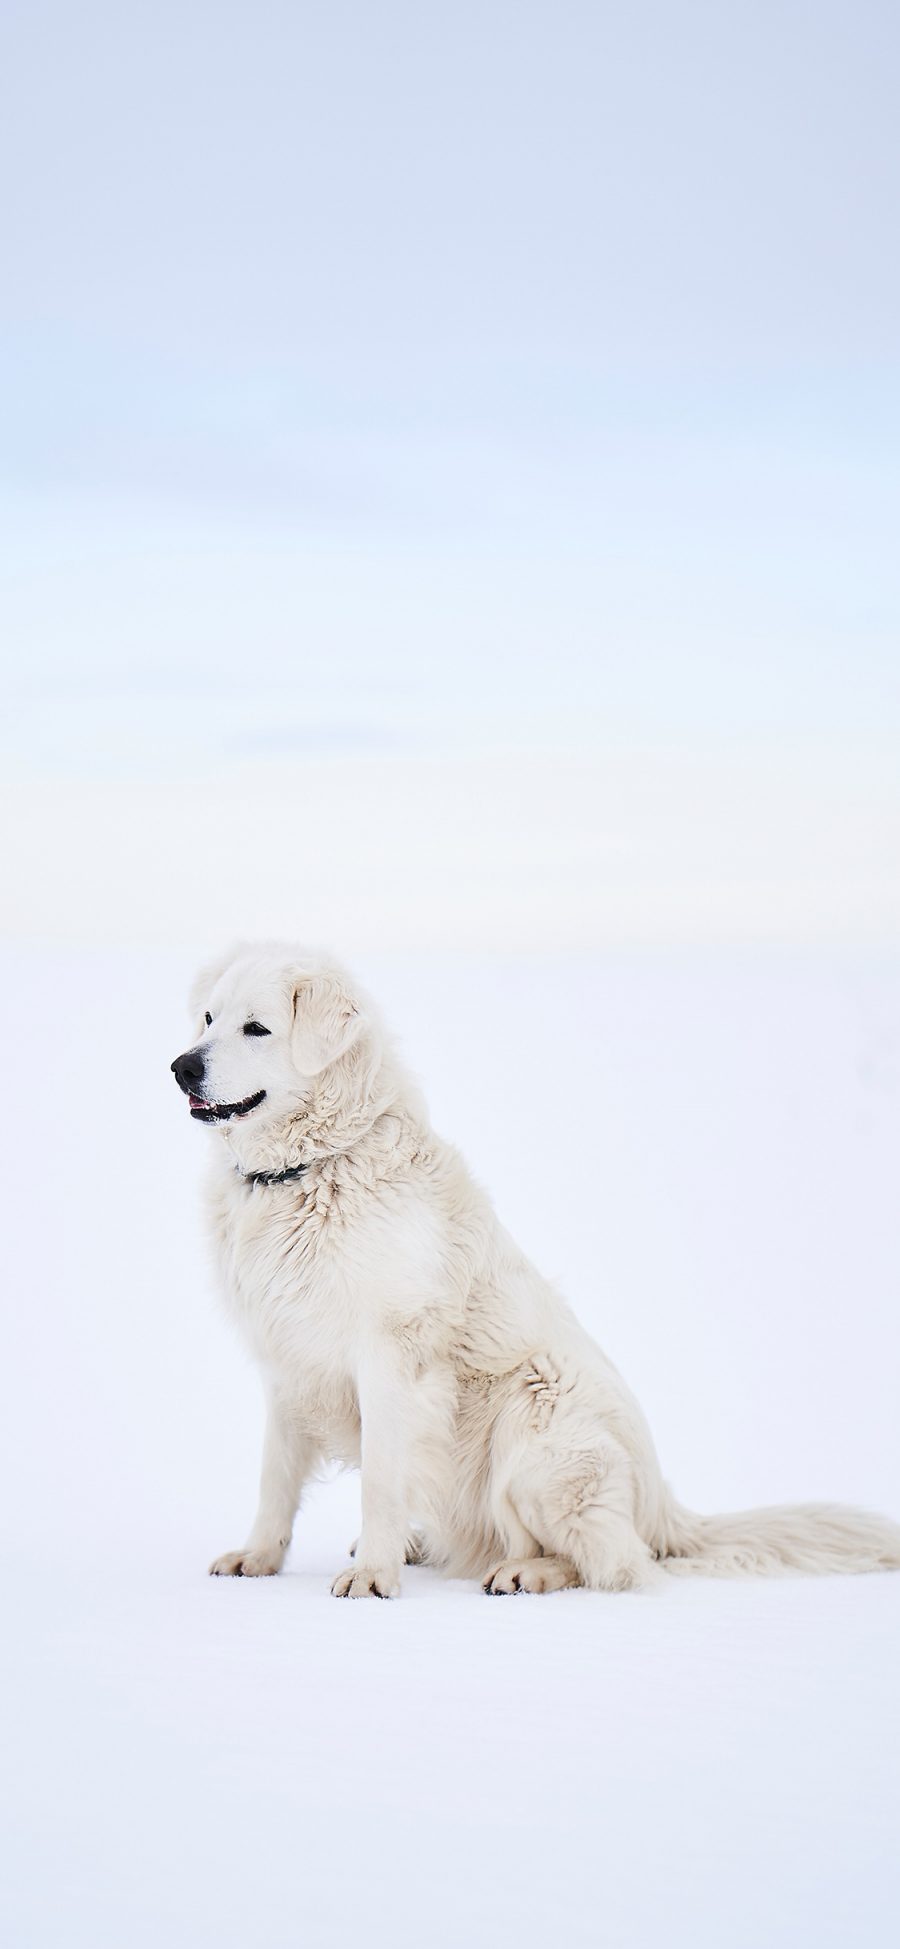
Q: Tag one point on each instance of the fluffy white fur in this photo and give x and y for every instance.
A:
(400, 1329)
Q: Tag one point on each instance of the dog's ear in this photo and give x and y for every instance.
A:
(204, 982)
(327, 1020)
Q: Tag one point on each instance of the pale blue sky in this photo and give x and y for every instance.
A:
(400, 378)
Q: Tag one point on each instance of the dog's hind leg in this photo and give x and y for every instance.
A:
(579, 1507)
(537, 1574)
(523, 1557)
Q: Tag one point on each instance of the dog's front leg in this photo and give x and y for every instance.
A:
(289, 1456)
(391, 1408)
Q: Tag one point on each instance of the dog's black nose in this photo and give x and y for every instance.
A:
(189, 1070)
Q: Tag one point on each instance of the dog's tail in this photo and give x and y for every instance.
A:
(812, 1537)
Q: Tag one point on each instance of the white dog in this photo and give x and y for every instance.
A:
(400, 1329)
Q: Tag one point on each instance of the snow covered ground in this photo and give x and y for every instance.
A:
(706, 1157)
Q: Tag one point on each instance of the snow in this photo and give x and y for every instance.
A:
(704, 1152)
(206, 1763)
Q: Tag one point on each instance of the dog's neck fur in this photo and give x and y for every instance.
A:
(343, 1104)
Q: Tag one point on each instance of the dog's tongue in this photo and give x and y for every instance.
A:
(197, 1103)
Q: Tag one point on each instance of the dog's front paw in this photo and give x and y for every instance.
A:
(248, 1563)
(362, 1582)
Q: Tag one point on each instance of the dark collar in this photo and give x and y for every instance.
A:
(272, 1177)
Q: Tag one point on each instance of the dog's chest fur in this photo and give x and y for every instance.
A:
(311, 1268)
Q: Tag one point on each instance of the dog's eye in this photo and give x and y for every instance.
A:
(255, 1028)
(208, 1019)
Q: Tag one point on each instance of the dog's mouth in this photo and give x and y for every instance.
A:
(223, 1112)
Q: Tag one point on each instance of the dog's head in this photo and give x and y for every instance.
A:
(268, 1022)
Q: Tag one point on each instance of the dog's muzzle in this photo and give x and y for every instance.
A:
(189, 1072)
